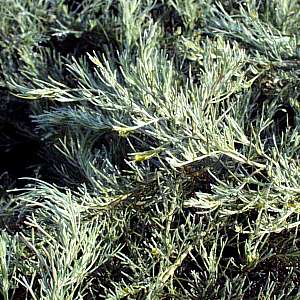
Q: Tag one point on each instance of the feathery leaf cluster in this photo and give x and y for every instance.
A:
(166, 149)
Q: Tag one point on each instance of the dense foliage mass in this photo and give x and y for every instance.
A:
(158, 142)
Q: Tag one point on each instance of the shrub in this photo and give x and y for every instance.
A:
(160, 145)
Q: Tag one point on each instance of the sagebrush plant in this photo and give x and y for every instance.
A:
(171, 132)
